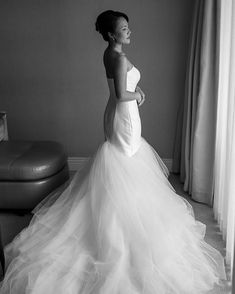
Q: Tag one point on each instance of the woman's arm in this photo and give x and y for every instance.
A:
(138, 89)
(120, 73)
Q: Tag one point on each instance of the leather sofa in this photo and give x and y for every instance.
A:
(29, 171)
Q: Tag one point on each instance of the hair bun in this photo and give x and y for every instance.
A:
(106, 22)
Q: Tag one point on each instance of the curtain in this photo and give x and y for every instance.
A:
(204, 150)
(195, 135)
(224, 169)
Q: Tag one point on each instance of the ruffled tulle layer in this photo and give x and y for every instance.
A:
(118, 228)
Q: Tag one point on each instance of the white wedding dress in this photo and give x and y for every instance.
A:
(117, 228)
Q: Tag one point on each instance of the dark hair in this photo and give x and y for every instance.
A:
(106, 22)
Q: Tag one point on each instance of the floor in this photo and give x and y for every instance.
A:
(11, 224)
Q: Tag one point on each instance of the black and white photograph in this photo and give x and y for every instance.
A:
(117, 146)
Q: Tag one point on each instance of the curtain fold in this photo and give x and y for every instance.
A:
(195, 135)
(204, 152)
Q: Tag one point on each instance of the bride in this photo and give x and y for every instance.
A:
(119, 227)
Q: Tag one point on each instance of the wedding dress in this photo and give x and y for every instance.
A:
(118, 228)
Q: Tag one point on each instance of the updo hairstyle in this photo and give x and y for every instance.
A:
(106, 22)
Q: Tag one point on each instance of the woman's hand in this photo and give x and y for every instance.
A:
(141, 101)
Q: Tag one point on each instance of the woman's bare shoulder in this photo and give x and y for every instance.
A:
(120, 58)
(113, 56)
(113, 59)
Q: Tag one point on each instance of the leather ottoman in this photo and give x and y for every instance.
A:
(29, 171)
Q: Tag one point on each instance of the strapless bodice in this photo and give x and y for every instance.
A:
(122, 124)
(132, 79)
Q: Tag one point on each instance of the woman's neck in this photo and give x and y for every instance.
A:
(115, 47)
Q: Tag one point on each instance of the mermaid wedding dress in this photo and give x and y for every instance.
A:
(117, 228)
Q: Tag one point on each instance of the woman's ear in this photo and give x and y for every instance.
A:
(111, 36)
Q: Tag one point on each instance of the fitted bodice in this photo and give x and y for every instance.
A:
(122, 124)
(132, 79)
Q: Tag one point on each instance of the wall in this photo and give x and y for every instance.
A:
(52, 80)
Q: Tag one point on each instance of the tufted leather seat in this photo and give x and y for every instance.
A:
(29, 171)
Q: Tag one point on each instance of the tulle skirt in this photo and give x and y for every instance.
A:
(117, 228)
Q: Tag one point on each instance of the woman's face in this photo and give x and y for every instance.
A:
(122, 31)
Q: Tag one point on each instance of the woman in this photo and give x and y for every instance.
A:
(119, 227)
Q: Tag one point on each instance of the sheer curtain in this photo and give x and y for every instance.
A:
(204, 151)
(224, 168)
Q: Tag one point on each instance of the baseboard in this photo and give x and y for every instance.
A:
(75, 163)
